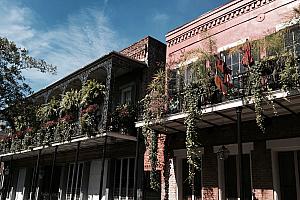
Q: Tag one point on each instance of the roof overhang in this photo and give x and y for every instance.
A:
(85, 142)
(285, 103)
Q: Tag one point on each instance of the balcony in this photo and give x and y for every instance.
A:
(279, 92)
(78, 108)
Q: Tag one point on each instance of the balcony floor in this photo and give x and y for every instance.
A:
(225, 113)
(113, 137)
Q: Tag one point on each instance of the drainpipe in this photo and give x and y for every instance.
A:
(102, 168)
(52, 172)
(240, 152)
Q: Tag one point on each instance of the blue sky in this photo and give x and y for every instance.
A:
(72, 33)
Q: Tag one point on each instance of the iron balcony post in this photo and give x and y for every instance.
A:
(240, 151)
(52, 172)
(75, 171)
(35, 176)
(137, 148)
(102, 168)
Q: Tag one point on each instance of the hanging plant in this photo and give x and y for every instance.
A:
(91, 92)
(290, 75)
(197, 92)
(48, 115)
(255, 88)
(69, 104)
(88, 120)
(154, 105)
(123, 118)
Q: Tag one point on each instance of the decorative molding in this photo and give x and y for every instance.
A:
(246, 8)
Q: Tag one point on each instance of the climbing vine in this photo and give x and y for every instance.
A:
(154, 105)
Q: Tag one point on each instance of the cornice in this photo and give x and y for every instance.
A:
(230, 15)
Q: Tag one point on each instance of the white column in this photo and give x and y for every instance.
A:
(221, 179)
(179, 178)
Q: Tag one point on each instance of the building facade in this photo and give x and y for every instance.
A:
(94, 151)
(236, 156)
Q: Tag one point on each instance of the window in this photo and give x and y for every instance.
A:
(234, 62)
(149, 193)
(231, 177)
(123, 179)
(74, 182)
(175, 87)
(126, 95)
(289, 174)
(189, 192)
(292, 40)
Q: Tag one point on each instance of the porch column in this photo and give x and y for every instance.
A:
(136, 164)
(52, 172)
(209, 174)
(221, 179)
(240, 152)
(75, 170)
(102, 167)
(35, 177)
(108, 67)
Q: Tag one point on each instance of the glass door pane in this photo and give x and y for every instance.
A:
(230, 177)
(246, 177)
(287, 175)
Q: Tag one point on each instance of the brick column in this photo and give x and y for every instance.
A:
(262, 172)
(209, 174)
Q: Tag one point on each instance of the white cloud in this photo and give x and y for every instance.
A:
(161, 18)
(82, 38)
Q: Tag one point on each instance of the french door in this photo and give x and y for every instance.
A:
(289, 174)
(123, 179)
(74, 183)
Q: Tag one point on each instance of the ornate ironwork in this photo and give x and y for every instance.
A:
(108, 66)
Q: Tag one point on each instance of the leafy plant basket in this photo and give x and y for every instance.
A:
(92, 94)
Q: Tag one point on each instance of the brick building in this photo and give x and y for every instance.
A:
(270, 161)
(77, 163)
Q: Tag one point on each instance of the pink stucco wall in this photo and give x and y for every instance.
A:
(239, 19)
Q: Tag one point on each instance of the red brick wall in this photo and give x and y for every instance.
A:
(209, 174)
(262, 179)
(160, 154)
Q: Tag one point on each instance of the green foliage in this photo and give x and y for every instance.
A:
(154, 108)
(48, 111)
(124, 116)
(290, 75)
(255, 88)
(70, 103)
(13, 86)
(91, 93)
(195, 93)
(154, 176)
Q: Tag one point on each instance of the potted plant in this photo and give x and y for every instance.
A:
(16, 141)
(28, 138)
(69, 109)
(124, 117)
(48, 116)
(92, 94)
